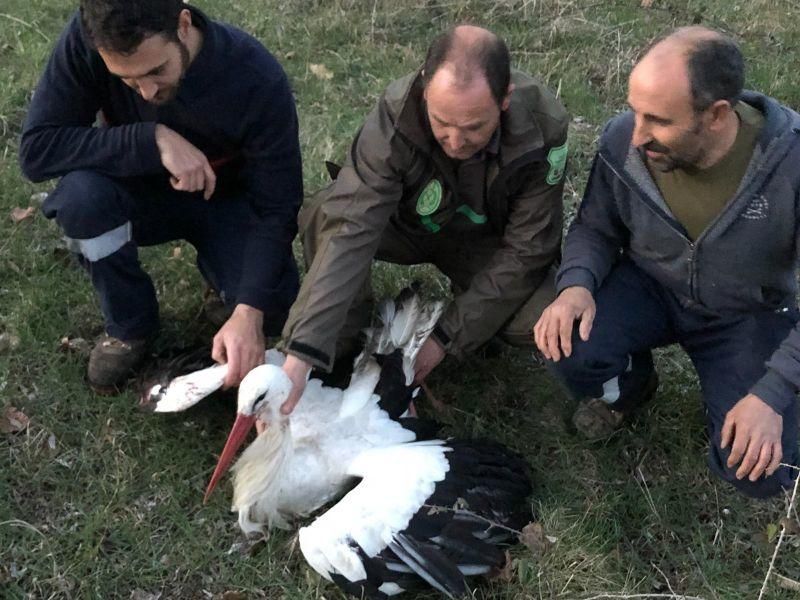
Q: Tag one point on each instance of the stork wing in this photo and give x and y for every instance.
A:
(396, 482)
(187, 390)
(430, 512)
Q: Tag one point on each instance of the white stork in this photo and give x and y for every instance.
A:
(419, 510)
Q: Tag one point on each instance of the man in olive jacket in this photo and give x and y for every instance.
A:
(460, 165)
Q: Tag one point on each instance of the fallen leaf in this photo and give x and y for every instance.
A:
(233, 596)
(792, 526)
(248, 546)
(461, 504)
(8, 341)
(646, 3)
(533, 538)
(321, 71)
(289, 55)
(38, 198)
(142, 595)
(13, 420)
(77, 345)
(20, 214)
(786, 583)
(772, 532)
(176, 252)
(506, 574)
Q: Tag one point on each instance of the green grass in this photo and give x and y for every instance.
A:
(114, 509)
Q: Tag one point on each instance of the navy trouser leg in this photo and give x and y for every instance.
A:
(95, 212)
(729, 356)
(615, 363)
(221, 239)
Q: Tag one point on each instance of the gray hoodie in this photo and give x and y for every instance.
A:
(744, 261)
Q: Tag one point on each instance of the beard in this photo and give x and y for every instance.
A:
(686, 153)
(167, 94)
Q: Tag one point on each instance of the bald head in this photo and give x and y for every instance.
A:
(704, 62)
(470, 53)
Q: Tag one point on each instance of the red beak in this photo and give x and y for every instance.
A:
(241, 427)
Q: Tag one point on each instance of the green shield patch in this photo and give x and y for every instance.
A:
(557, 157)
(429, 198)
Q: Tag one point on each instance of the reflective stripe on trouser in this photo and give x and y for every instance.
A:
(105, 244)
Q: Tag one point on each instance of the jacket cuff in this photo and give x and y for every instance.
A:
(442, 337)
(575, 276)
(313, 356)
(776, 391)
(264, 300)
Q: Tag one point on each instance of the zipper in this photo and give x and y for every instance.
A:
(691, 261)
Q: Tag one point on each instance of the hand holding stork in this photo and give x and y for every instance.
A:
(240, 343)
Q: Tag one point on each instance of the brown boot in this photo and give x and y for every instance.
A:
(112, 360)
(595, 419)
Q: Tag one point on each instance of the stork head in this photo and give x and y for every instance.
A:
(261, 394)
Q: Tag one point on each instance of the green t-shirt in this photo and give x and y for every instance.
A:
(697, 196)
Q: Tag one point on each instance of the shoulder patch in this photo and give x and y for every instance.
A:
(557, 157)
(429, 198)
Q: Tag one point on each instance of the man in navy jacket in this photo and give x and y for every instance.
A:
(163, 124)
(687, 233)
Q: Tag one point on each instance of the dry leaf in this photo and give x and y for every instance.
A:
(289, 55)
(792, 526)
(13, 420)
(142, 595)
(8, 341)
(77, 345)
(233, 596)
(647, 3)
(534, 539)
(176, 252)
(506, 574)
(20, 214)
(321, 71)
(38, 198)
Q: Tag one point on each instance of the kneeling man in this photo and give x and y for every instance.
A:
(687, 234)
(197, 141)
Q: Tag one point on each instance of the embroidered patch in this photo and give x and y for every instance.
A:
(757, 209)
(429, 198)
(557, 157)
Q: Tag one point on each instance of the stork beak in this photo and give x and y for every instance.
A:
(241, 427)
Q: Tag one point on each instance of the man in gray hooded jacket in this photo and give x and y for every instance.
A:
(687, 234)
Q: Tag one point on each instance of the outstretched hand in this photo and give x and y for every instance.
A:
(553, 331)
(240, 343)
(753, 431)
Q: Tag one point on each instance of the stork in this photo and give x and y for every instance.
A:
(419, 510)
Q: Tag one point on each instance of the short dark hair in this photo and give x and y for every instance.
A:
(716, 72)
(121, 25)
(489, 56)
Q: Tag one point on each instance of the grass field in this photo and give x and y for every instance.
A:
(100, 501)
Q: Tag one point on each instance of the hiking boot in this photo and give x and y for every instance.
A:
(112, 360)
(214, 309)
(595, 419)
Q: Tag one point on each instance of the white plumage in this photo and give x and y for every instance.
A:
(383, 536)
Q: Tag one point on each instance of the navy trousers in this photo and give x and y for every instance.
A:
(636, 314)
(106, 219)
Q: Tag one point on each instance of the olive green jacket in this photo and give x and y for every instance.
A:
(392, 161)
